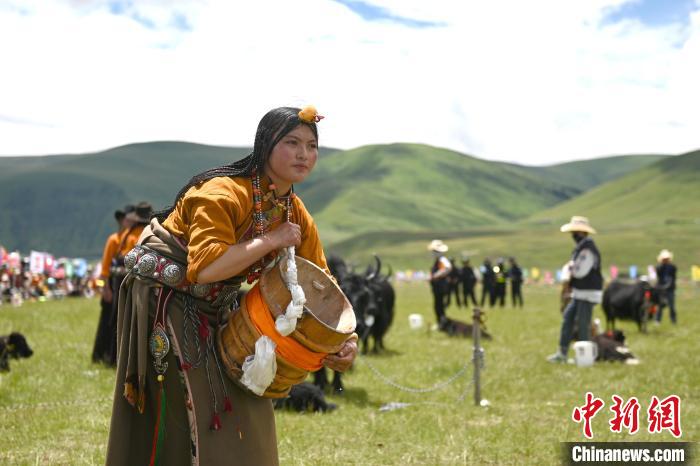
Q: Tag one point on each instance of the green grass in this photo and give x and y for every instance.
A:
(541, 246)
(55, 406)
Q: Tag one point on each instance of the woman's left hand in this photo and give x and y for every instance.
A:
(343, 359)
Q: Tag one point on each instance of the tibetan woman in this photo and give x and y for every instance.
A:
(173, 403)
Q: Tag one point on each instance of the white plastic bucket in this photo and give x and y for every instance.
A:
(415, 321)
(585, 353)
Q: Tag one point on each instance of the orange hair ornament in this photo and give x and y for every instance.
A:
(309, 114)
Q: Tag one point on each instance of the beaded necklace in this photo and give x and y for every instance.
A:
(259, 223)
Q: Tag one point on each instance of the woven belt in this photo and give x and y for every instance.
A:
(147, 263)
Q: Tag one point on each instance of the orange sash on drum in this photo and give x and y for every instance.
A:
(287, 347)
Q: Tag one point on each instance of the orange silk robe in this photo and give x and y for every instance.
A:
(217, 214)
(110, 250)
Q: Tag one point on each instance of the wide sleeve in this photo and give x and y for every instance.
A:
(211, 230)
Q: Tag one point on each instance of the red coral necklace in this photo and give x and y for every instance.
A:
(260, 224)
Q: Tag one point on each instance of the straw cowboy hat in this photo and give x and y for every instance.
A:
(664, 254)
(437, 245)
(577, 223)
(141, 213)
(121, 213)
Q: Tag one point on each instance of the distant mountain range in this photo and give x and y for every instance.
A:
(64, 203)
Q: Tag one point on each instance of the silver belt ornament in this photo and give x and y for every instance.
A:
(147, 263)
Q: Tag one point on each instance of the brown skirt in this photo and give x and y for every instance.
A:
(247, 435)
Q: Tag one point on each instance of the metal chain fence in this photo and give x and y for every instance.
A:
(405, 388)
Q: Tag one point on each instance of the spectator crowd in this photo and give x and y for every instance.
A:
(39, 276)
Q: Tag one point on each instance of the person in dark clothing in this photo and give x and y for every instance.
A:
(438, 278)
(488, 283)
(515, 273)
(135, 222)
(586, 286)
(453, 280)
(106, 330)
(468, 281)
(500, 275)
(666, 276)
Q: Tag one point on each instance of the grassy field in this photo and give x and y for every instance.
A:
(55, 406)
(540, 246)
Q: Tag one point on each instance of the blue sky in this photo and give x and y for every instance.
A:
(654, 12)
(129, 9)
(498, 79)
(371, 12)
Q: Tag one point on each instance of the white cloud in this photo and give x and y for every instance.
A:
(533, 82)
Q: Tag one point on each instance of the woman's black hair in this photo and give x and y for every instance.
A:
(272, 128)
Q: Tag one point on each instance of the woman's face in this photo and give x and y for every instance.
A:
(293, 158)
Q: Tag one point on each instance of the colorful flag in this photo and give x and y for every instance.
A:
(36, 262)
(548, 277)
(651, 273)
(14, 260)
(49, 263)
(695, 273)
(633, 271)
(80, 267)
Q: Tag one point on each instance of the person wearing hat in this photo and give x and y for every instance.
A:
(666, 282)
(586, 286)
(438, 278)
(104, 329)
(135, 220)
(468, 278)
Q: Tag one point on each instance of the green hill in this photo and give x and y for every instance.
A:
(636, 215)
(586, 174)
(663, 193)
(411, 187)
(64, 203)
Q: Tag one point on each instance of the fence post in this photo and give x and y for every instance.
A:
(477, 355)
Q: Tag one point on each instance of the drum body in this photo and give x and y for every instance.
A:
(327, 322)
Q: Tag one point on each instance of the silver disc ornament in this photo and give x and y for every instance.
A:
(159, 345)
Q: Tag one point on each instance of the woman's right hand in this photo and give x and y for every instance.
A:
(287, 234)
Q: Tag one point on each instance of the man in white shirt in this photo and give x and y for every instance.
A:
(438, 278)
(586, 286)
